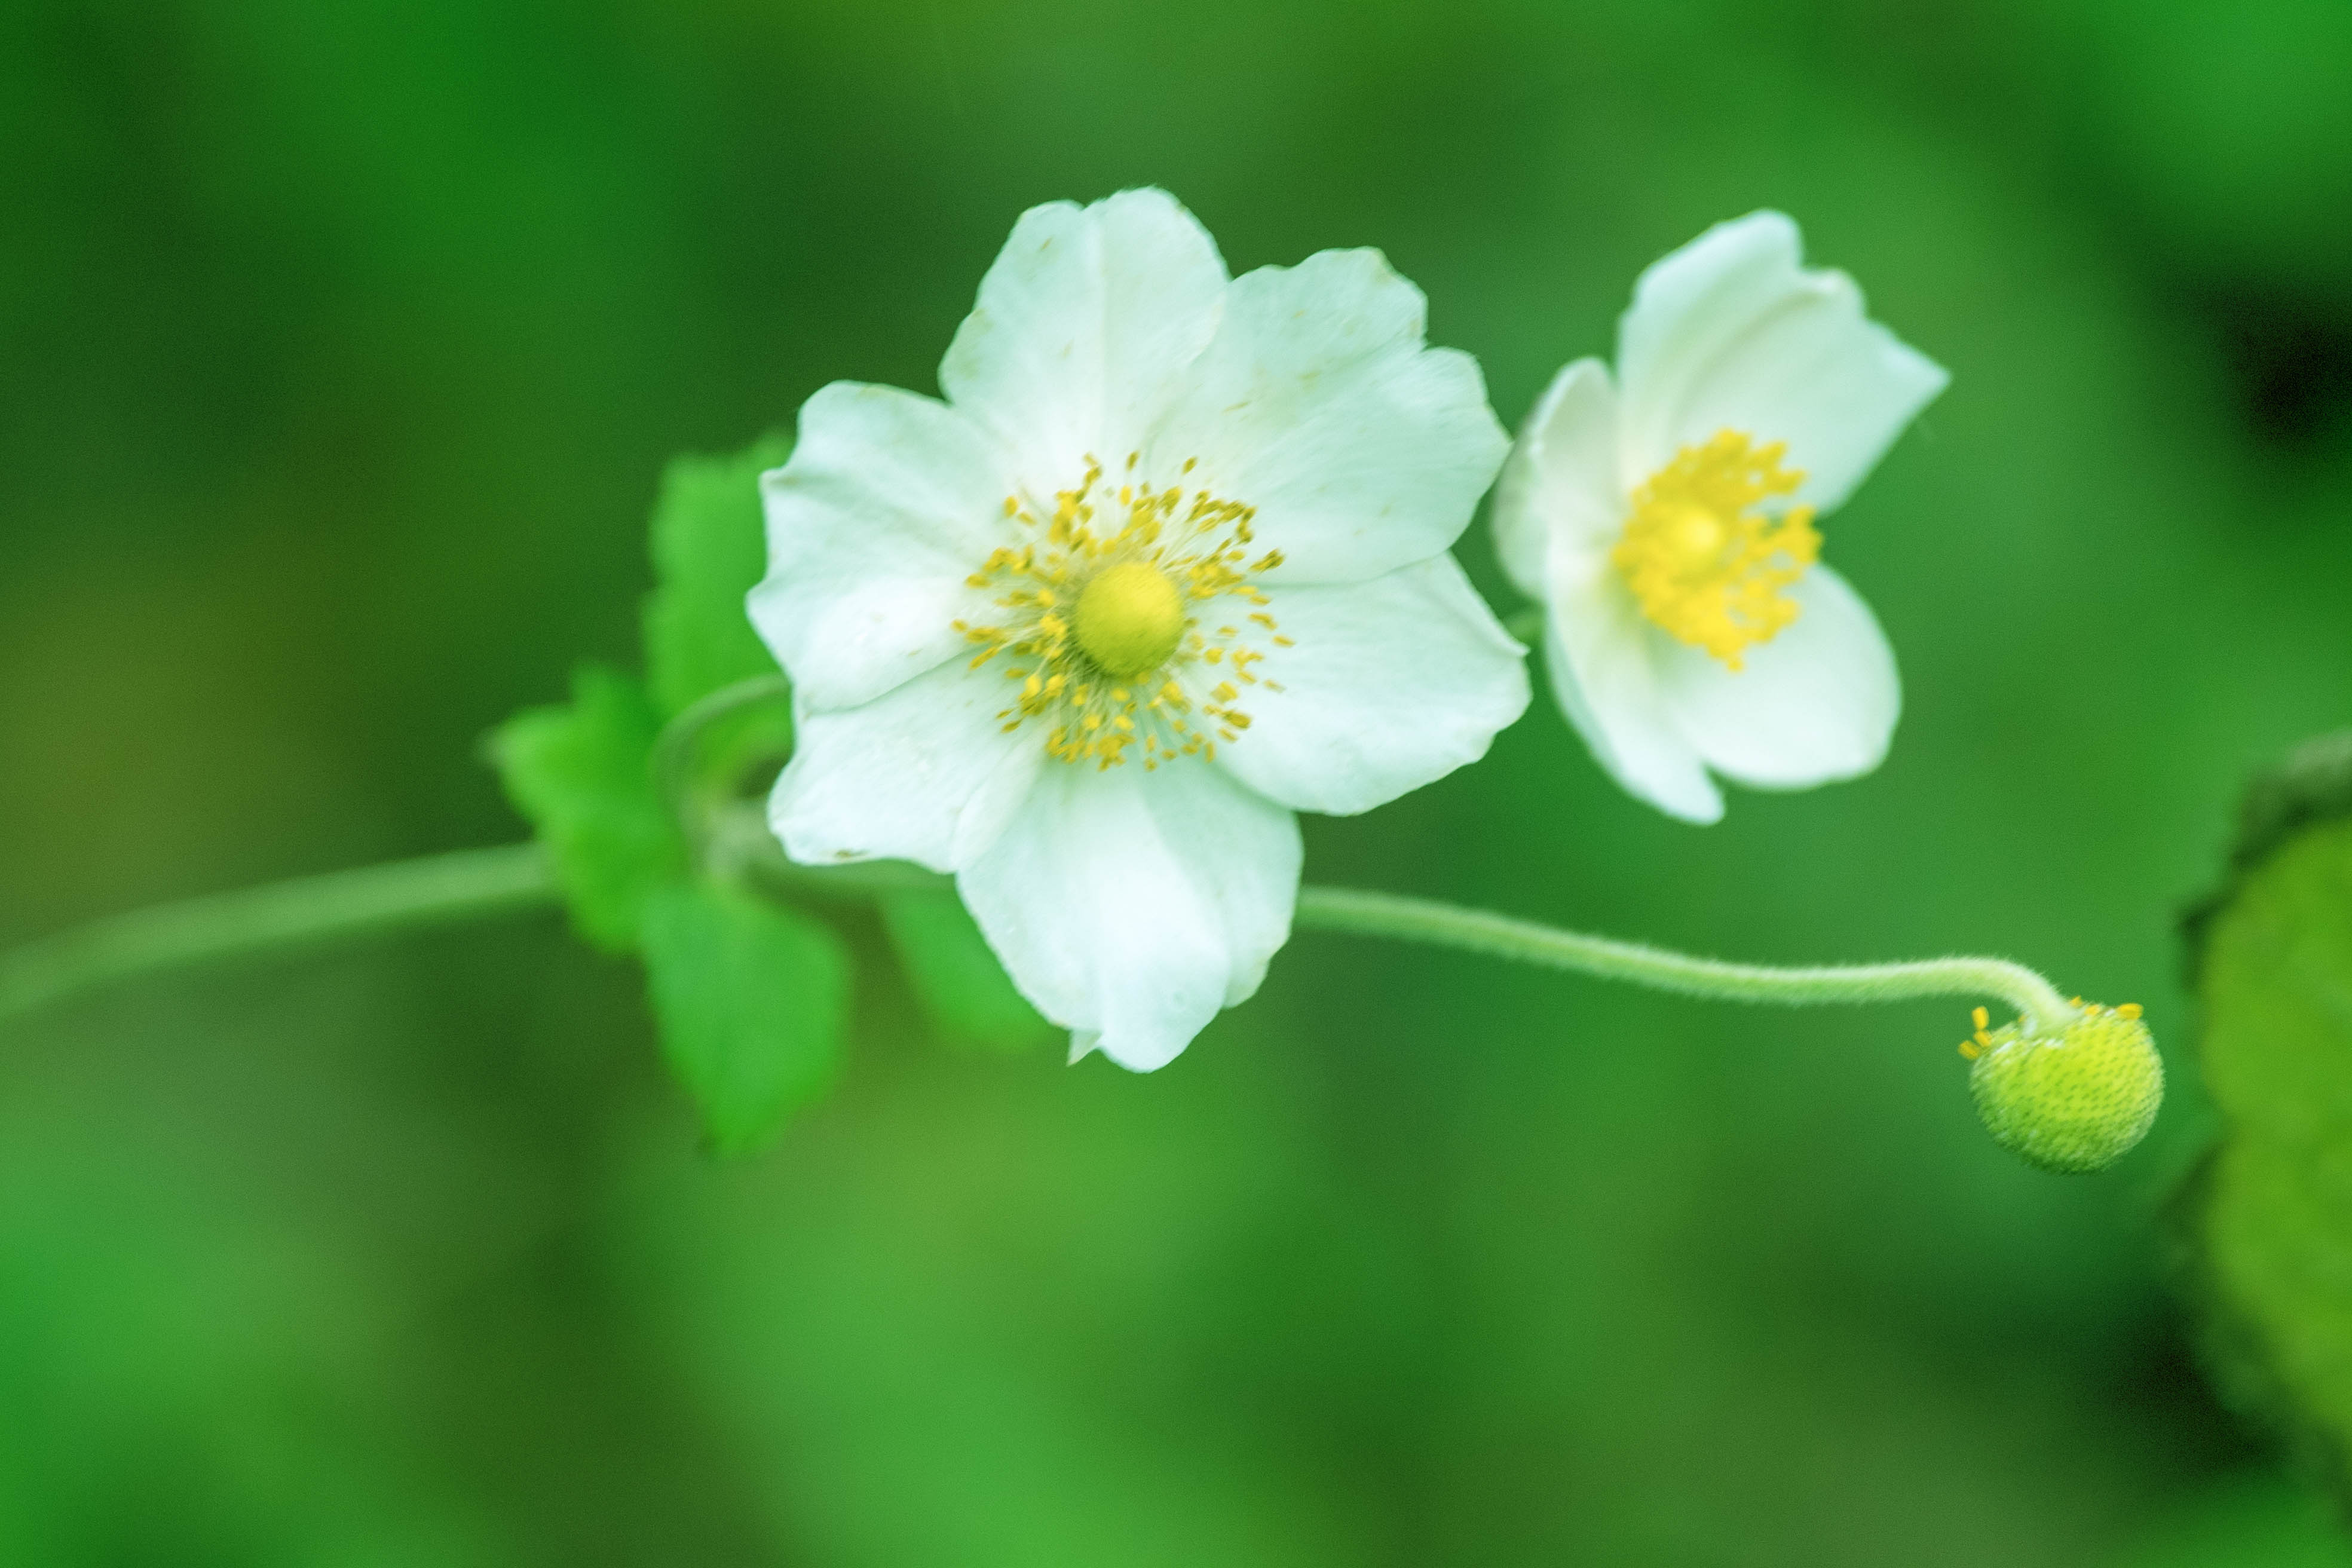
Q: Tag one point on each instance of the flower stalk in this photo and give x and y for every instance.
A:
(278, 917)
(474, 884)
(1403, 919)
(732, 840)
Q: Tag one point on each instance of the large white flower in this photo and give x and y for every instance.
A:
(1665, 522)
(1168, 565)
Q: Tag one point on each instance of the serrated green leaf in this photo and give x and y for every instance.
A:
(750, 998)
(2271, 1216)
(709, 547)
(582, 775)
(962, 986)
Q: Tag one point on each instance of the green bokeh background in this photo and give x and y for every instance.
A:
(341, 348)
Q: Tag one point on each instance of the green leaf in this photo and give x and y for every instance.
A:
(582, 775)
(709, 547)
(750, 998)
(2256, 1519)
(2269, 1212)
(956, 976)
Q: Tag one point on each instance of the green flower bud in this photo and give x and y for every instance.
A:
(2077, 1101)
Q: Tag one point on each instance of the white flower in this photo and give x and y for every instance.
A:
(1167, 565)
(1667, 524)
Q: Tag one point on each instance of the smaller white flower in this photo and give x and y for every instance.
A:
(1665, 523)
(1168, 565)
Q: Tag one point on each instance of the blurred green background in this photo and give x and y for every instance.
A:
(341, 348)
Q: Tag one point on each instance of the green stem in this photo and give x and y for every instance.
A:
(471, 883)
(1500, 936)
(678, 751)
(278, 916)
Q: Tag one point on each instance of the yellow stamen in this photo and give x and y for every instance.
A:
(1704, 563)
(1106, 596)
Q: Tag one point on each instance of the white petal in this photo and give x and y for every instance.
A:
(1130, 906)
(1731, 332)
(1391, 684)
(1084, 330)
(1362, 449)
(1816, 703)
(923, 773)
(888, 504)
(1601, 655)
(1562, 475)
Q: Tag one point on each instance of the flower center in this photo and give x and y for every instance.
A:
(1130, 618)
(1703, 562)
(1109, 619)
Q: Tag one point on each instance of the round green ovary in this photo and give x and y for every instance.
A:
(2074, 1103)
(1129, 619)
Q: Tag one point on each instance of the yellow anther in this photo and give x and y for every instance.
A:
(1704, 563)
(1113, 587)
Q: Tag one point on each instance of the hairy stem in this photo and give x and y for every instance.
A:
(472, 883)
(1405, 919)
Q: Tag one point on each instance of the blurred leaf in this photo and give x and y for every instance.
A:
(2230, 126)
(2247, 1521)
(583, 775)
(709, 547)
(963, 988)
(751, 999)
(2269, 1212)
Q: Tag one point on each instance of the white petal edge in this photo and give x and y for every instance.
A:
(1600, 653)
(1391, 685)
(1318, 404)
(925, 772)
(1131, 907)
(888, 503)
(1732, 332)
(1084, 332)
(1561, 475)
(1686, 306)
(1817, 703)
(1818, 374)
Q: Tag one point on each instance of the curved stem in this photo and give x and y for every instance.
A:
(273, 917)
(472, 883)
(1480, 931)
(676, 752)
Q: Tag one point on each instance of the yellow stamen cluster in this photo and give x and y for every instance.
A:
(1705, 564)
(1107, 632)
